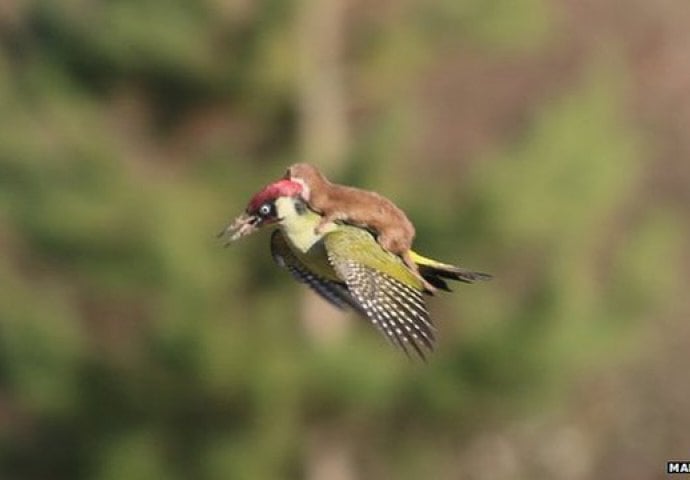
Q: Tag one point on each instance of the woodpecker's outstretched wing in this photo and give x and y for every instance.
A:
(383, 287)
(335, 293)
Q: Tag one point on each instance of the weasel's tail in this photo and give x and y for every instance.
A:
(436, 272)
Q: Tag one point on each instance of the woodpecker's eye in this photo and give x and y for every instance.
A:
(266, 210)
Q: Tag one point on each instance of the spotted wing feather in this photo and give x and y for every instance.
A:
(396, 309)
(335, 293)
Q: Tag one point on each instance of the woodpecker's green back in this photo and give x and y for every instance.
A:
(346, 265)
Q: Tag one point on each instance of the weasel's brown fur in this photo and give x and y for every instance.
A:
(394, 231)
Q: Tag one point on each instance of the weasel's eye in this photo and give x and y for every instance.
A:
(265, 210)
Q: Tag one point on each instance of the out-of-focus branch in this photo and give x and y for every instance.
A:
(323, 123)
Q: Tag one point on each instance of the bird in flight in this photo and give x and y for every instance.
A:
(346, 265)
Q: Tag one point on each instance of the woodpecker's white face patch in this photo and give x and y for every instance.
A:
(285, 207)
(299, 224)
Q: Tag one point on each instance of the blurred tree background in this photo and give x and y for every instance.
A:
(544, 141)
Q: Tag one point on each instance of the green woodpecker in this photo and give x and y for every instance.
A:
(347, 267)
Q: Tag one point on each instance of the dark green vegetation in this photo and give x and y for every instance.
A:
(132, 346)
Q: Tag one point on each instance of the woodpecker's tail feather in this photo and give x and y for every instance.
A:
(436, 272)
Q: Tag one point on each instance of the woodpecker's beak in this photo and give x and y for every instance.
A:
(243, 225)
(248, 223)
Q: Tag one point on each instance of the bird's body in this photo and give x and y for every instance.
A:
(333, 239)
(394, 231)
(347, 266)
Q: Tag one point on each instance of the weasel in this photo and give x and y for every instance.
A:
(394, 231)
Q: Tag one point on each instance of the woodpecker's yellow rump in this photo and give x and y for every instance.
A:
(347, 267)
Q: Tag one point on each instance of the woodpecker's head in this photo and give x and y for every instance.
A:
(264, 208)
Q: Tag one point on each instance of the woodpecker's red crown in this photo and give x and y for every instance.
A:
(281, 188)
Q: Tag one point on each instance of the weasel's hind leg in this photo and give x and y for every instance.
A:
(407, 259)
(396, 242)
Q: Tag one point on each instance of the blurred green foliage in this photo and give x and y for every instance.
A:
(133, 346)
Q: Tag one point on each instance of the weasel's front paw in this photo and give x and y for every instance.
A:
(320, 228)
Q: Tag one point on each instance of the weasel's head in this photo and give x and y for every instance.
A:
(263, 209)
(308, 176)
